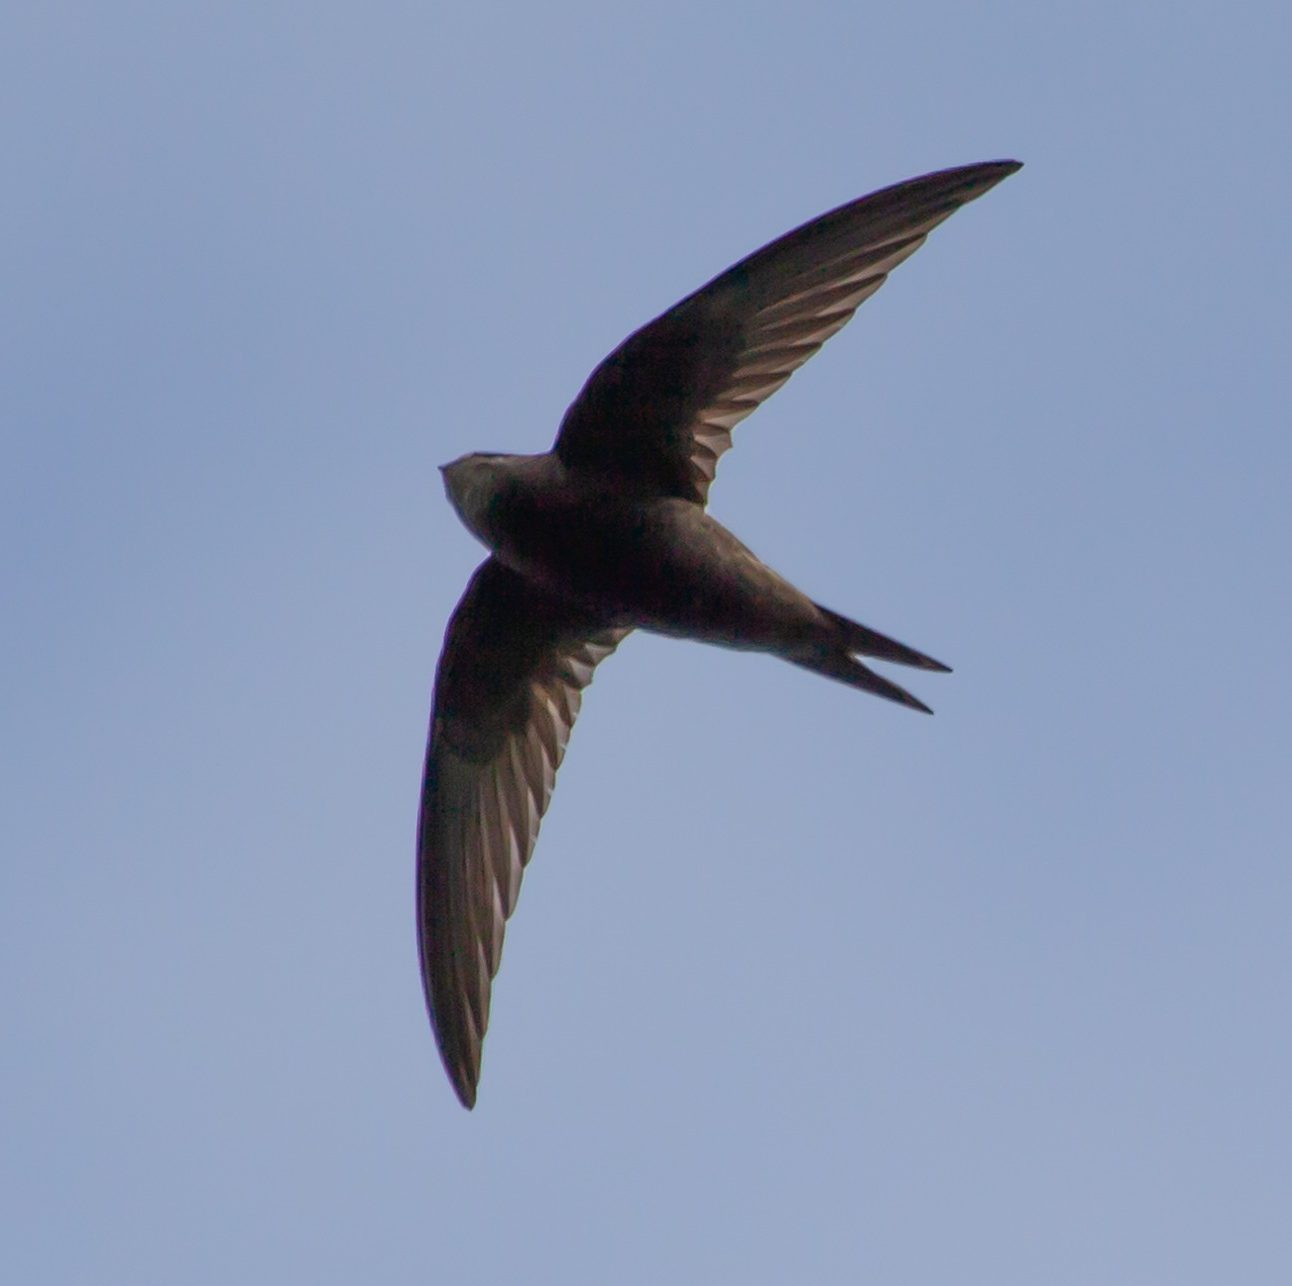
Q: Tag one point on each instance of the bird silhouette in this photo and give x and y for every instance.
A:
(606, 533)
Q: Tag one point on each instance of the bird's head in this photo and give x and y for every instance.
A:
(473, 483)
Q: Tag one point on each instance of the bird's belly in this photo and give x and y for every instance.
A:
(666, 567)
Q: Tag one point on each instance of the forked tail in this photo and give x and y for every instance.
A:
(837, 659)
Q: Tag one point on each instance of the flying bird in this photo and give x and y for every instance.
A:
(606, 533)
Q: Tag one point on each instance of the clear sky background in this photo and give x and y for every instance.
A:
(802, 986)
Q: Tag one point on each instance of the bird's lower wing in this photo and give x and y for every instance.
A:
(510, 681)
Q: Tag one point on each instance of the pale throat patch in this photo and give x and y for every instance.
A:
(472, 486)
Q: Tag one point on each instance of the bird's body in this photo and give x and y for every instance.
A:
(607, 533)
(655, 562)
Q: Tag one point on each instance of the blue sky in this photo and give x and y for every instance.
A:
(801, 986)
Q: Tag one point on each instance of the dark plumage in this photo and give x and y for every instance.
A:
(607, 533)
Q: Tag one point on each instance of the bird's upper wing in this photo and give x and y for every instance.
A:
(514, 665)
(658, 412)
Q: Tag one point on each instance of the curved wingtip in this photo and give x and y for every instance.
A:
(465, 1090)
(459, 1054)
(984, 176)
(978, 177)
(1004, 167)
